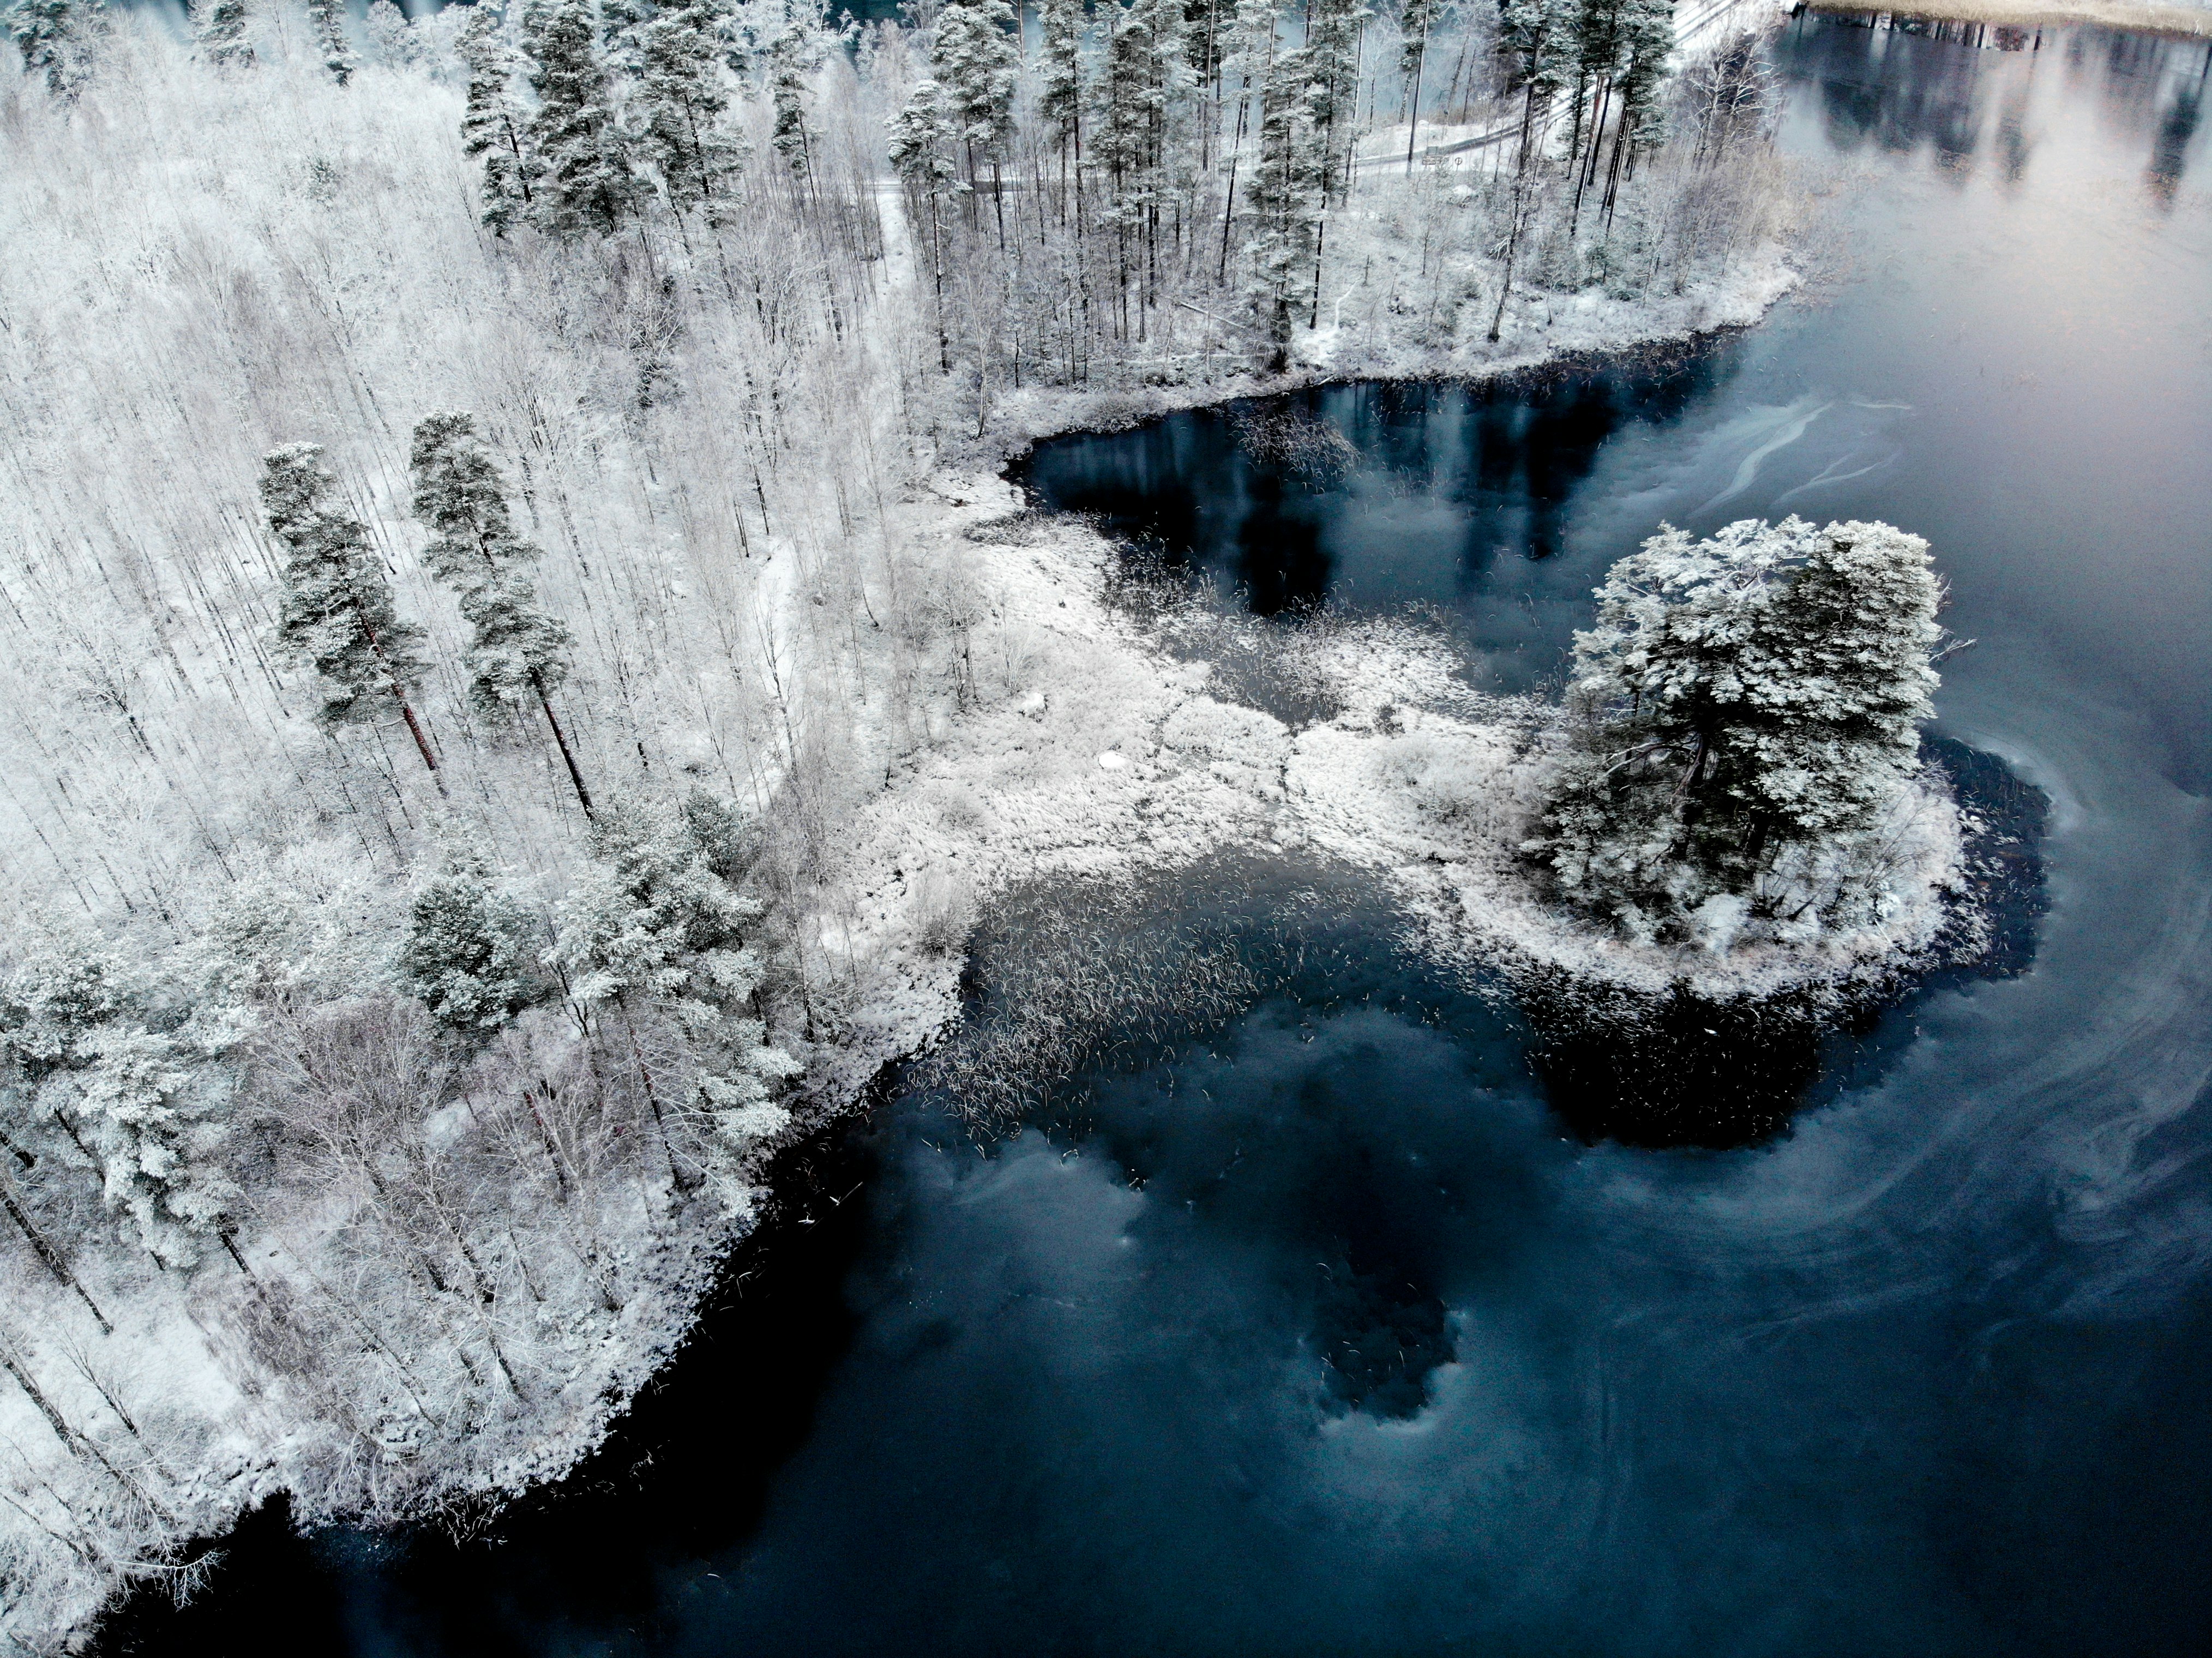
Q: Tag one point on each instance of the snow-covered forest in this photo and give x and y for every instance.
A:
(520, 676)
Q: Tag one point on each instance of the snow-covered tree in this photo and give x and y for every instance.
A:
(683, 102)
(659, 924)
(86, 1084)
(1647, 36)
(327, 19)
(518, 652)
(494, 123)
(392, 35)
(922, 152)
(1134, 97)
(794, 51)
(222, 35)
(471, 950)
(54, 37)
(1283, 201)
(1740, 697)
(1059, 86)
(974, 58)
(1333, 50)
(156, 1117)
(587, 182)
(1538, 41)
(338, 614)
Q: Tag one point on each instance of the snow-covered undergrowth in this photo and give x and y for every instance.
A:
(455, 1260)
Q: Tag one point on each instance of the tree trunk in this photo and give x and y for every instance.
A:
(48, 1255)
(560, 740)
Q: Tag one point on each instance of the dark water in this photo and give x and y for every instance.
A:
(1323, 1335)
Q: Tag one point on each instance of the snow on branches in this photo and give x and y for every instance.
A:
(1743, 717)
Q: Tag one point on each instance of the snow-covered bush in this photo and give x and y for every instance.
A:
(1744, 722)
(104, 1079)
(657, 934)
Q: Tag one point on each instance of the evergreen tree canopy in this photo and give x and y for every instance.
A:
(657, 923)
(652, 919)
(338, 614)
(471, 951)
(974, 58)
(683, 104)
(494, 123)
(1740, 697)
(518, 650)
(587, 183)
(53, 37)
(920, 137)
(1060, 67)
(327, 19)
(222, 35)
(86, 1084)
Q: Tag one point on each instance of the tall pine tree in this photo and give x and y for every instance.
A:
(587, 183)
(494, 123)
(1060, 92)
(471, 950)
(54, 37)
(222, 35)
(518, 652)
(684, 103)
(658, 928)
(974, 58)
(327, 19)
(338, 614)
(1751, 695)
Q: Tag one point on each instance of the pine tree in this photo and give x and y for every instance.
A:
(327, 19)
(1332, 44)
(586, 183)
(338, 614)
(1134, 93)
(471, 951)
(974, 58)
(222, 35)
(793, 54)
(1060, 90)
(157, 1122)
(494, 123)
(85, 1084)
(1284, 199)
(683, 102)
(1647, 36)
(518, 652)
(54, 39)
(920, 151)
(1755, 694)
(655, 926)
(623, 25)
(1537, 41)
